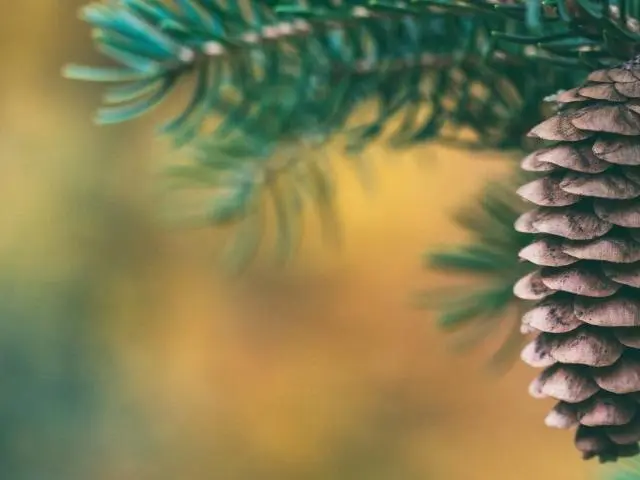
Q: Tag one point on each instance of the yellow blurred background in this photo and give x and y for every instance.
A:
(126, 357)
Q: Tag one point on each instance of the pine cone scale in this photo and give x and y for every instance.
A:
(622, 214)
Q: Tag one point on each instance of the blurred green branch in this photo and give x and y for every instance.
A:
(491, 260)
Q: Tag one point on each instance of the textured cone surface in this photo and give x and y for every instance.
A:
(585, 249)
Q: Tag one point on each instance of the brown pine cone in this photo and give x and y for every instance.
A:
(587, 249)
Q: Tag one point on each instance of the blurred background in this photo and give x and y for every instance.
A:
(123, 356)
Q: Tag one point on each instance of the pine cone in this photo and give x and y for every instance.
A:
(587, 250)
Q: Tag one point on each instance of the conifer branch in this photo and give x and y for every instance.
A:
(339, 56)
(282, 80)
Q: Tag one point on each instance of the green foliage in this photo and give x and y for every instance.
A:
(304, 70)
(491, 260)
(593, 32)
(574, 33)
(261, 77)
(266, 79)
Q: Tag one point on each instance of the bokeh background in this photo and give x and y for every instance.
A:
(123, 356)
